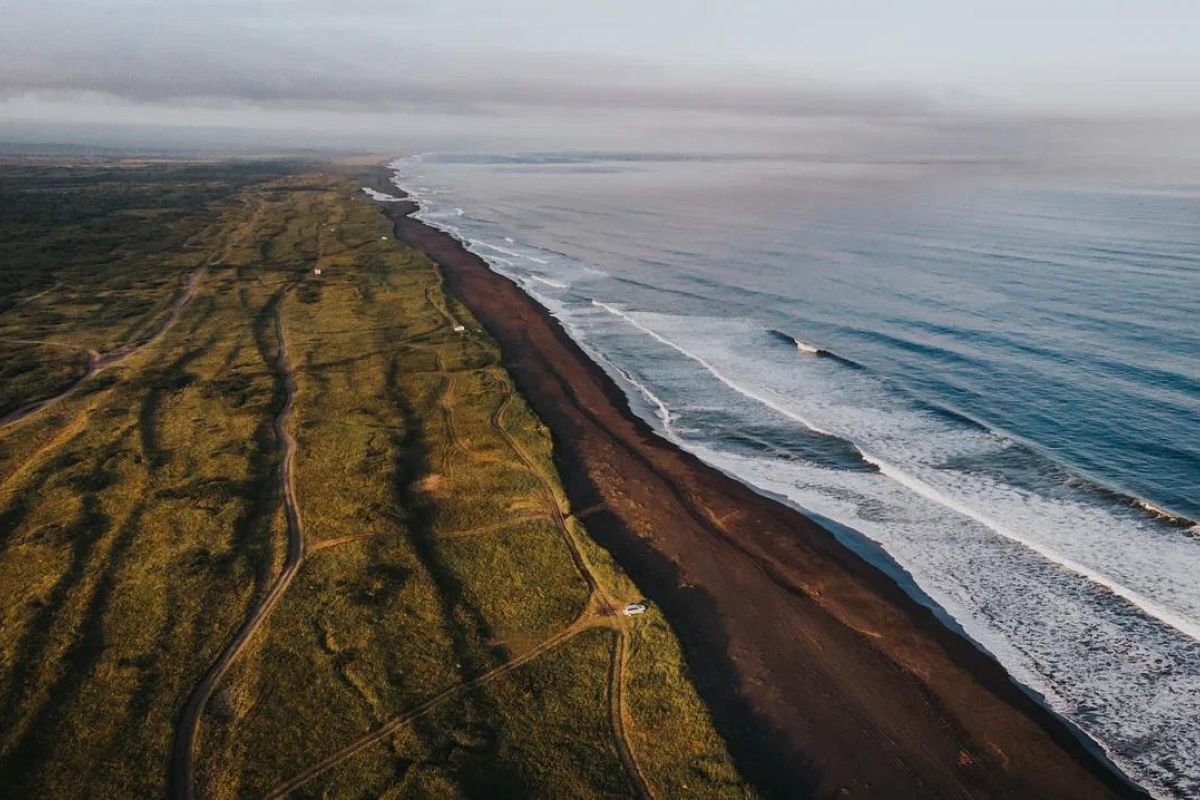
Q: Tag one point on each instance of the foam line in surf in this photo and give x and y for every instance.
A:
(382, 197)
(712, 370)
(548, 282)
(1187, 627)
(661, 409)
(512, 253)
(1157, 512)
(1162, 515)
(1148, 606)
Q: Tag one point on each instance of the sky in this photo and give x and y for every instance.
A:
(938, 78)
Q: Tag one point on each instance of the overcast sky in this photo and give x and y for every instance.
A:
(949, 77)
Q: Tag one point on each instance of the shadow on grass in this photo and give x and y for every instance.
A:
(484, 774)
(260, 495)
(173, 378)
(19, 762)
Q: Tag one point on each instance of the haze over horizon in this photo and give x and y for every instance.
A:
(1057, 82)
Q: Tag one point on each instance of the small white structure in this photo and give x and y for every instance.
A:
(459, 328)
(316, 270)
(383, 237)
(633, 609)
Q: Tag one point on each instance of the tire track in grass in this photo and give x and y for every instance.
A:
(97, 362)
(30, 298)
(618, 714)
(445, 403)
(441, 309)
(586, 621)
(479, 530)
(599, 612)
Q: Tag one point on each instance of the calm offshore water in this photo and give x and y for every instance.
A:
(996, 383)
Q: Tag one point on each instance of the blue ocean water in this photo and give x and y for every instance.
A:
(996, 380)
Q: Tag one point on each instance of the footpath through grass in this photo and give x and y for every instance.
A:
(452, 631)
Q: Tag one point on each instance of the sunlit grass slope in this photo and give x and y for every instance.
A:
(452, 630)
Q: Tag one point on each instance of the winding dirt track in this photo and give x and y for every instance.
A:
(446, 403)
(618, 714)
(99, 361)
(480, 530)
(419, 710)
(577, 557)
(36, 295)
(183, 777)
(441, 309)
(599, 613)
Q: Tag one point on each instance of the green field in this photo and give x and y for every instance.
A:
(432, 621)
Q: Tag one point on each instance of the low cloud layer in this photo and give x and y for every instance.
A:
(151, 56)
(371, 73)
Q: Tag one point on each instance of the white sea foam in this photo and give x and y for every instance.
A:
(711, 369)
(661, 409)
(1184, 625)
(909, 447)
(549, 282)
(382, 197)
(1161, 513)
(1072, 594)
(498, 248)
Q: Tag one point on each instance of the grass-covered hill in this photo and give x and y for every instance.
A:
(265, 530)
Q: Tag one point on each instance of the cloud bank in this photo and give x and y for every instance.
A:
(367, 73)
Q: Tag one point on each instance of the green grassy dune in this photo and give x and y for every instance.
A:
(449, 630)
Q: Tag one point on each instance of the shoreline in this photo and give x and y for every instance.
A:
(823, 674)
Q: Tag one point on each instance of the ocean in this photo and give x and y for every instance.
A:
(988, 385)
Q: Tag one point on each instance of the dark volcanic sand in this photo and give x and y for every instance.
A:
(824, 677)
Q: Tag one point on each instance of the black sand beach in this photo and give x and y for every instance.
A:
(826, 679)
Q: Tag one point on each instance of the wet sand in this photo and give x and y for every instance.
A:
(825, 678)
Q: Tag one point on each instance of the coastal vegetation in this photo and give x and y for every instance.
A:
(275, 521)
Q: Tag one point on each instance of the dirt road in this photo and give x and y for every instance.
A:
(183, 779)
(99, 361)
